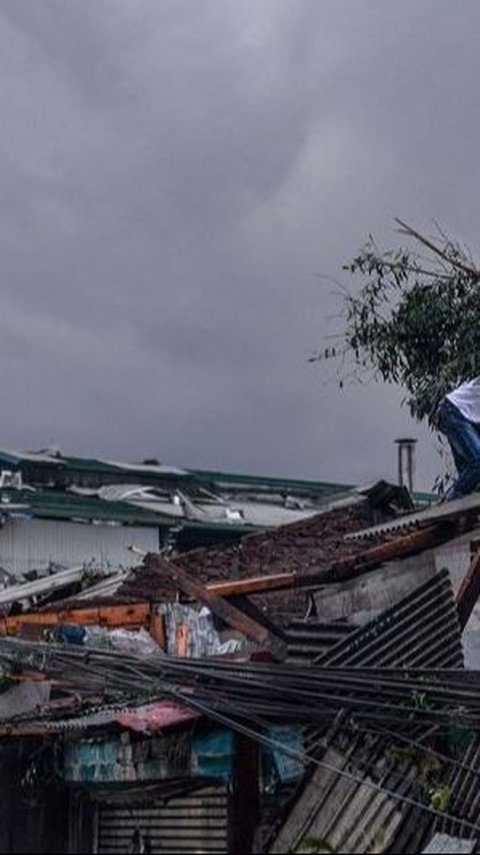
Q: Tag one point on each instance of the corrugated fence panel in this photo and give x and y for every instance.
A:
(197, 822)
(33, 544)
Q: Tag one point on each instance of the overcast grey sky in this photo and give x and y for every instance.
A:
(173, 175)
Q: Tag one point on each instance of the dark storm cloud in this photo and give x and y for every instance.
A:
(173, 174)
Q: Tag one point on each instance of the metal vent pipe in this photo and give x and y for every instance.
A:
(406, 461)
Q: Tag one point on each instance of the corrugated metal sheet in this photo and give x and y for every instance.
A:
(307, 640)
(440, 513)
(444, 844)
(341, 815)
(422, 631)
(346, 816)
(33, 544)
(197, 822)
(64, 504)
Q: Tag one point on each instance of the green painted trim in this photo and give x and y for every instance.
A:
(320, 488)
(70, 466)
(52, 504)
(9, 459)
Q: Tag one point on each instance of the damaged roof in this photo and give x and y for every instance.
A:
(53, 504)
(155, 473)
(191, 507)
(302, 547)
(377, 702)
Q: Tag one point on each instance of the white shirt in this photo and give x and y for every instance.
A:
(466, 398)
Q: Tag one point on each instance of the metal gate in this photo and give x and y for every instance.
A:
(194, 822)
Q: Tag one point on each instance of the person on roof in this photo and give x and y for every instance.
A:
(458, 418)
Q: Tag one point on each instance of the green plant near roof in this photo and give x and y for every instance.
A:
(415, 319)
(439, 797)
(400, 754)
(313, 844)
(419, 700)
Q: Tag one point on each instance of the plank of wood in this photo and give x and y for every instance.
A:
(219, 606)
(253, 585)
(312, 800)
(158, 629)
(396, 548)
(245, 804)
(469, 590)
(234, 587)
(245, 605)
(361, 562)
(134, 615)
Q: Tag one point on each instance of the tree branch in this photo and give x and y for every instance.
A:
(410, 232)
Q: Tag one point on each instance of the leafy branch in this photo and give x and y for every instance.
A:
(414, 321)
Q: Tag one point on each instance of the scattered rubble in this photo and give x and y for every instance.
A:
(302, 690)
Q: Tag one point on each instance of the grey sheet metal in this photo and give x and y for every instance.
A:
(440, 513)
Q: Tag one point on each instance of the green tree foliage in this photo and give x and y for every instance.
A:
(415, 320)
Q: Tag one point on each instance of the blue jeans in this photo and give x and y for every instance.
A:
(464, 439)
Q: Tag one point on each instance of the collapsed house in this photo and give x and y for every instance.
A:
(300, 688)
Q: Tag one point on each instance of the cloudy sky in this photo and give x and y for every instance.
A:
(174, 176)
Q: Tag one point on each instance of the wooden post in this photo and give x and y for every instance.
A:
(244, 812)
(361, 562)
(220, 607)
(157, 628)
(469, 590)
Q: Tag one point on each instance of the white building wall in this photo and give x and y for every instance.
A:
(34, 544)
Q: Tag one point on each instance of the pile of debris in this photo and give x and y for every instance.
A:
(312, 688)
